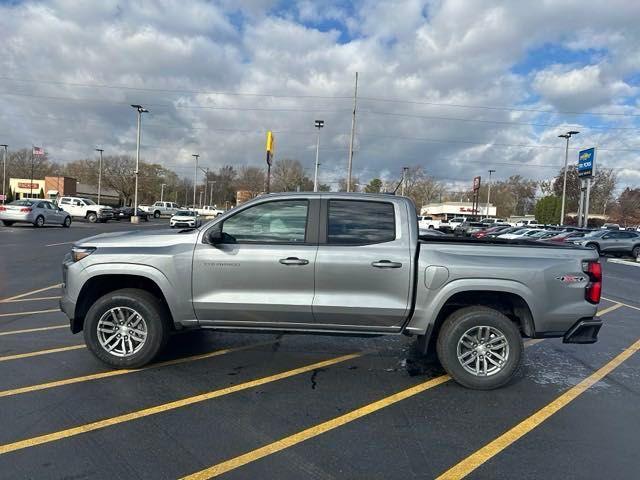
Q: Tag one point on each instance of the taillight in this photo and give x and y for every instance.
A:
(25, 210)
(593, 289)
(2, 209)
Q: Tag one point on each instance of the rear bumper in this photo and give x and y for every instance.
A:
(583, 331)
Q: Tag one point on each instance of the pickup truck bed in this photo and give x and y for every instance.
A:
(331, 263)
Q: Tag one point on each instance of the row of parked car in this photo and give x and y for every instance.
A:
(617, 242)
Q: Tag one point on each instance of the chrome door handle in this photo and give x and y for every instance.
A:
(386, 264)
(293, 261)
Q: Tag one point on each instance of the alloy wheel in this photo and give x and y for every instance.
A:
(483, 350)
(122, 331)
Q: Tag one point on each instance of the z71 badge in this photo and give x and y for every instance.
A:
(571, 278)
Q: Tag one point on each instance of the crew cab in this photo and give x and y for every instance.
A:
(80, 207)
(209, 211)
(331, 263)
(159, 209)
(426, 222)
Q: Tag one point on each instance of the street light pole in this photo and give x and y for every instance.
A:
(100, 173)
(211, 182)
(195, 178)
(404, 179)
(486, 213)
(566, 136)
(162, 191)
(4, 173)
(319, 125)
(134, 218)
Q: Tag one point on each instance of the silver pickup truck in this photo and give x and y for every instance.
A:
(331, 263)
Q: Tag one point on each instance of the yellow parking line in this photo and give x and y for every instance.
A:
(316, 430)
(624, 304)
(40, 352)
(35, 312)
(29, 330)
(609, 309)
(469, 464)
(31, 292)
(115, 373)
(30, 299)
(127, 417)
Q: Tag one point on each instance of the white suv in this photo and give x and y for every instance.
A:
(161, 208)
(80, 207)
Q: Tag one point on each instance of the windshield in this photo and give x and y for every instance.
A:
(88, 202)
(186, 213)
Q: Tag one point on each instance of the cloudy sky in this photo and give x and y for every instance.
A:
(457, 86)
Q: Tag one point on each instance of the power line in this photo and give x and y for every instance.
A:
(326, 97)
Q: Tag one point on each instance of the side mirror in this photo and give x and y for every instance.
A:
(214, 236)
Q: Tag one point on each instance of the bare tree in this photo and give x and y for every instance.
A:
(288, 175)
(251, 179)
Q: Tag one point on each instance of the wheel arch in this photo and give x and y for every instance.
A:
(101, 284)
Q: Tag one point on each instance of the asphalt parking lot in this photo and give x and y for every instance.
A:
(290, 407)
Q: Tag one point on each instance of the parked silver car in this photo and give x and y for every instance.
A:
(35, 211)
(612, 241)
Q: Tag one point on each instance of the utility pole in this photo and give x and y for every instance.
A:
(404, 179)
(566, 136)
(100, 174)
(206, 178)
(353, 131)
(4, 173)
(162, 191)
(201, 198)
(31, 181)
(486, 213)
(319, 125)
(135, 218)
(195, 178)
(211, 183)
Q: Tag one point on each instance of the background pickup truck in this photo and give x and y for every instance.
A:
(79, 207)
(330, 262)
(160, 209)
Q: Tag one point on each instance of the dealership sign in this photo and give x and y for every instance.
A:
(586, 162)
(28, 186)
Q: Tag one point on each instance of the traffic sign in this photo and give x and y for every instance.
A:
(586, 162)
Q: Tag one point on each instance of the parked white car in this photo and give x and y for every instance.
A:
(80, 207)
(456, 222)
(209, 211)
(426, 222)
(522, 233)
(159, 209)
(185, 219)
(526, 223)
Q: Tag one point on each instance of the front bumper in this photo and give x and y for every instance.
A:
(583, 331)
(105, 215)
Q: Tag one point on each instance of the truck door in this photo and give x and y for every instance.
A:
(363, 266)
(263, 272)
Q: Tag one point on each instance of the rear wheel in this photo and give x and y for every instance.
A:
(480, 347)
(126, 328)
(92, 217)
(7, 223)
(39, 221)
(67, 222)
(635, 253)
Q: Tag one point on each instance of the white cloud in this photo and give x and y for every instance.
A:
(443, 52)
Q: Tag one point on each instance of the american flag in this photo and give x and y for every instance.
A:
(38, 151)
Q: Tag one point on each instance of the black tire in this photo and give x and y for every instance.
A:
(92, 217)
(146, 218)
(635, 253)
(39, 221)
(460, 322)
(67, 222)
(594, 246)
(152, 311)
(7, 223)
(156, 214)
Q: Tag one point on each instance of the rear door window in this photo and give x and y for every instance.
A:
(352, 222)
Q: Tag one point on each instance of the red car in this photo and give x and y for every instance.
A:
(486, 231)
(565, 237)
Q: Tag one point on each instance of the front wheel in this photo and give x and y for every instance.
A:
(635, 253)
(480, 347)
(594, 246)
(156, 214)
(67, 222)
(126, 328)
(7, 223)
(92, 217)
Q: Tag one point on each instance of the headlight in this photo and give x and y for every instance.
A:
(78, 253)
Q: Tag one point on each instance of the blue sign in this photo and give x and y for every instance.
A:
(586, 162)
